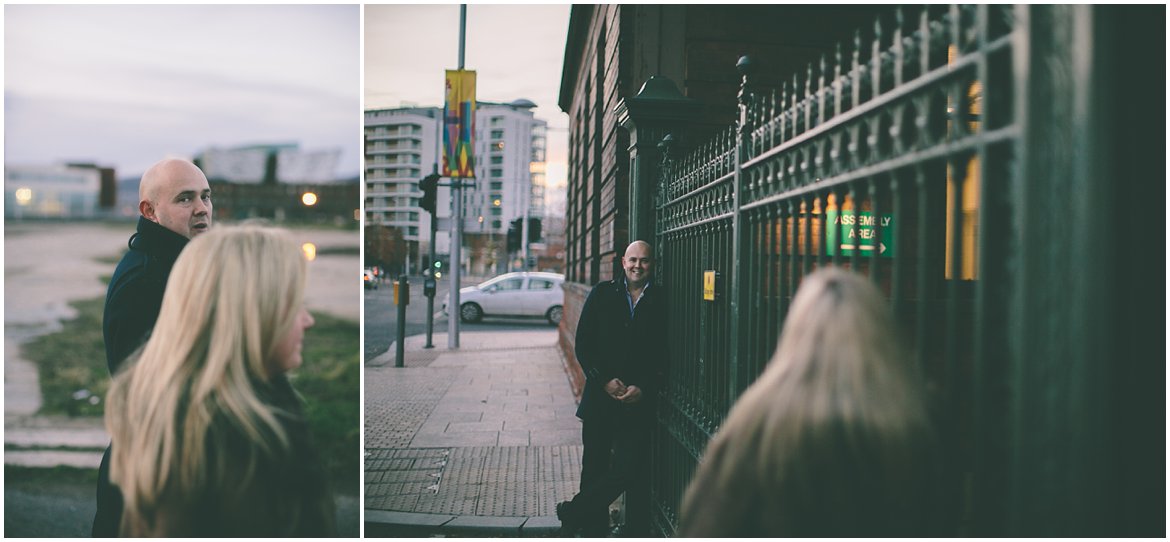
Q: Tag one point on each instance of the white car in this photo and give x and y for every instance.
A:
(513, 294)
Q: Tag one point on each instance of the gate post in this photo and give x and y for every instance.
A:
(736, 382)
(658, 109)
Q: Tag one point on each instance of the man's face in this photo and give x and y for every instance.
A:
(637, 264)
(182, 203)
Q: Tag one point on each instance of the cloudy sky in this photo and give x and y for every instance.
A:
(125, 86)
(517, 52)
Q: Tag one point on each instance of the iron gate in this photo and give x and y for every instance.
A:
(892, 158)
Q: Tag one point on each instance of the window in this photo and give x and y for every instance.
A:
(497, 134)
(510, 284)
(497, 185)
(540, 284)
(497, 173)
(497, 160)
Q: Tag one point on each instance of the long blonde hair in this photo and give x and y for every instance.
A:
(833, 439)
(233, 294)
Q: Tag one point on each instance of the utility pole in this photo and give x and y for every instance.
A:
(453, 309)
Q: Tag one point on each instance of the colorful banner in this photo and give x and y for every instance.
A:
(459, 125)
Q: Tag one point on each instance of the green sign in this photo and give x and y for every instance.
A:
(841, 234)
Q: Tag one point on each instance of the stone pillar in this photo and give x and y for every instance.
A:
(658, 109)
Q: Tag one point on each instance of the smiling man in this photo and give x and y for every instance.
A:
(622, 347)
(175, 202)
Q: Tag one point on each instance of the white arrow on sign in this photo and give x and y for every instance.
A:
(882, 250)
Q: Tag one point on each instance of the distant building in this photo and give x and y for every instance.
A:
(403, 145)
(278, 163)
(275, 182)
(58, 191)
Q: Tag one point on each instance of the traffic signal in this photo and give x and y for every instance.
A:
(429, 186)
(514, 230)
(533, 229)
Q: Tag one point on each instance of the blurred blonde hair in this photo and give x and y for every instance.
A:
(234, 292)
(833, 439)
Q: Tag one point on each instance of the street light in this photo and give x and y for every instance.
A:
(310, 251)
(309, 199)
(23, 197)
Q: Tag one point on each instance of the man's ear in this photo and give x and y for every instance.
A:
(147, 210)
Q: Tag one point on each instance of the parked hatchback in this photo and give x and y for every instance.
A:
(513, 294)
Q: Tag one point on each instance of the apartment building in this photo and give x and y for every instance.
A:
(403, 145)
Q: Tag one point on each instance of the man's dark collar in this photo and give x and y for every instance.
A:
(154, 237)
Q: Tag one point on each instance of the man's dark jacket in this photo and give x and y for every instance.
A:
(136, 289)
(610, 344)
(133, 301)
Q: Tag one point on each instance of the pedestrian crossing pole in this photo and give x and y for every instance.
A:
(401, 299)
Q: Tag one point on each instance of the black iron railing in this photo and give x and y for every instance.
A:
(887, 158)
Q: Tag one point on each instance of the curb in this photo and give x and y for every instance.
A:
(414, 344)
(384, 523)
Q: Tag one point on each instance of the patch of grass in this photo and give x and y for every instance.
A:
(330, 382)
(72, 363)
(74, 359)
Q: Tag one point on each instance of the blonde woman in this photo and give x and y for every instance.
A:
(208, 437)
(833, 439)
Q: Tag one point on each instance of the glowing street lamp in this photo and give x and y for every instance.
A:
(309, 199)
(310, 251)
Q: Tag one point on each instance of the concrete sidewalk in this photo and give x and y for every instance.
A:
(482, 440)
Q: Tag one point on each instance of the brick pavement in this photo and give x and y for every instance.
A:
(479, 439)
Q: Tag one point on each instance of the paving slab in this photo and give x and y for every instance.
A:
(501, 408)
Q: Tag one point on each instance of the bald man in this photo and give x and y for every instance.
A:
(622, 347)
(174, 200)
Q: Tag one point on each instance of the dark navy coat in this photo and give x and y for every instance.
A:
(610, 344)
(136, 290)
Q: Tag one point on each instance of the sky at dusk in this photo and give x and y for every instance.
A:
(125, 86)
(517, 52)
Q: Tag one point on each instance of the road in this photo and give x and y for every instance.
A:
(381, 323)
